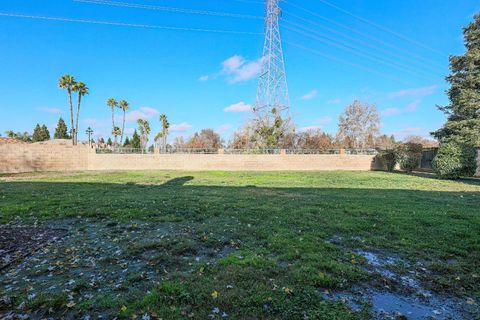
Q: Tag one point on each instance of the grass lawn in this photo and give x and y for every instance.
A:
(283, 245)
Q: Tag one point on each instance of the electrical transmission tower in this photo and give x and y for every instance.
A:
(272, 93)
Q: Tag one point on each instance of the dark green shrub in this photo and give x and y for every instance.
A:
(409, 156)
(388, 159)
(455, 160)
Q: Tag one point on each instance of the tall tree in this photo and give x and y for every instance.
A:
(463, 123)
(40, 133)
(112, 104)
(67, 82)
(358, 124)
(116, 132)
(81, 89)
(164, 133)
(89, 132)
(144, 129)
(61, 131)
(124, 105)
(136, 143)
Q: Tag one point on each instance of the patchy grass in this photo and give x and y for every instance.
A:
(235, 245)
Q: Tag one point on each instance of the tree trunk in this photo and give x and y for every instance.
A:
(71, 116)
(113, 120)
(76, 118)
(123, 127)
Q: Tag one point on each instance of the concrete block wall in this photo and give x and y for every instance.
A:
(43, 156)
(62, 156)
(199, 162)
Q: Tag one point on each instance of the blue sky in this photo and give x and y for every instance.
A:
(390, 53)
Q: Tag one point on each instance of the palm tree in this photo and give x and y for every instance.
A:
(164, 133)
(82, 90)
(116, 132)
(68, 82)
(112, 103)
(124, 105)
(144, 129)
(89, 132)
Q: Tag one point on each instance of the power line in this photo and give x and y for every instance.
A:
(122, 24)
(332, 58)
(376, 25)
(168, 9)
(353, 49)
(368, 36)
(408, 59)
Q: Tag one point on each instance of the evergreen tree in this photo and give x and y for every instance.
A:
(40, 133)
(127, 142)
(135, 142)
(463, 124)
(46, 133)
(109, 142)
(61, 132)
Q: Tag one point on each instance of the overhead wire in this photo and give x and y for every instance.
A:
(360, 33)
(355, 51)
(168, 9)
(383, 28)
(122, 24)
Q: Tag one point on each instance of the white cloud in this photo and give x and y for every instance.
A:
(310, 95)
(411, 107)
(224, 128)
(323, 121)
(411, 131)
(309, 128)
(181, 127)
(334, 101)
(237, 69)
(51, 110)
(239, 107)
(95, 123)
(390, 111)
(416, 92)
(203, 78)
(145, 113)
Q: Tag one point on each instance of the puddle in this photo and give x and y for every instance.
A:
(403, 297)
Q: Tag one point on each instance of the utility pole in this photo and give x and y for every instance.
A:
(272, 93)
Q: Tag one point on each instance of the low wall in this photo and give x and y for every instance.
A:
(54, 155)
(196, 162)
(62, 156)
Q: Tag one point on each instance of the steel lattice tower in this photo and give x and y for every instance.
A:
(272, 93)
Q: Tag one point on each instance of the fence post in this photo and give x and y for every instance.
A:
(342, 151)
(221, 151)
(156, 150)
(283, 152)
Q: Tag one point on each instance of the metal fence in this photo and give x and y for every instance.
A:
(237, 151)
(122, 151)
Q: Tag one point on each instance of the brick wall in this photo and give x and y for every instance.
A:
(62, 156)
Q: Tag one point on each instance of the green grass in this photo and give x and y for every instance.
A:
(277, 228)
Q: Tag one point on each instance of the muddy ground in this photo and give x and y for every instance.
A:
(80, 261)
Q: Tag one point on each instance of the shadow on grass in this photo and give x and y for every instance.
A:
(430, 175)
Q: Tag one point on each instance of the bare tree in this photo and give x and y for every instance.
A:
(358, 124)
(314, 139)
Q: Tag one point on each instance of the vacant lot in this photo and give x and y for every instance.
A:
(330, 245)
